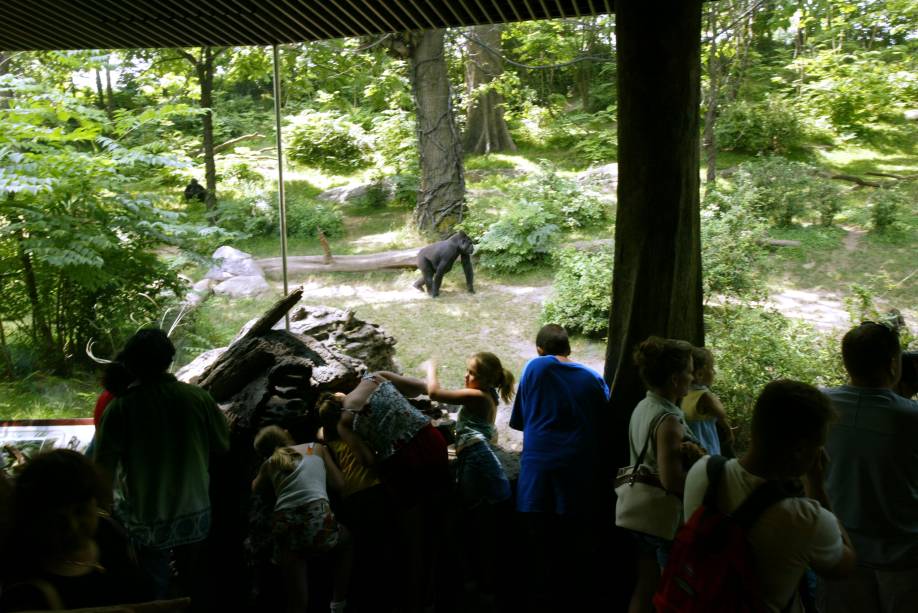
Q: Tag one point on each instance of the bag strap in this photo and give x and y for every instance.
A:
(650, 432)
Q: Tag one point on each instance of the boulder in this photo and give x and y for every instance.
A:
(601, 179)
(349, 193)
(238, 287)
(203, 286)
(340, 330)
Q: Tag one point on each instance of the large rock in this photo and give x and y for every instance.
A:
(349, 193)
(342, 331)
(601, 179)
(231, 262)
(241, 287)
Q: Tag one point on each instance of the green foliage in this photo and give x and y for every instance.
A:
(376, 196)
(886, 206)
(732, 250)
(537, 210)
(329, 141)
(255, 214)
(855, 90)
(771, 126)
(568, 202)
(753, 347)
(405, 190)
(523, 238)
(395, 140)
(783, 191)
(582, 290)
(77, 232)
(306, 217)
(592, 137)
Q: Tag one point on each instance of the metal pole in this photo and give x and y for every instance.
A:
(281, 199)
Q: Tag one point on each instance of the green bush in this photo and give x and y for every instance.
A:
(592, 137)
(328, 141)
(306, 217)
(253, 214)
(886, 205)
(524, 234)
(567, 202)
(765, 127)
(395, 140)
(522, 238)
(582, 290)
(753, 347)
(405, 190)
(855, 91)
(732, 249)
(782, 191)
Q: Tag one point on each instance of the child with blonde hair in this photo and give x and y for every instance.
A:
(303, 522)
(704, 413)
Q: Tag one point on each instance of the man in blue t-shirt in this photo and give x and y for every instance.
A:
(558, 407)
(873, 475)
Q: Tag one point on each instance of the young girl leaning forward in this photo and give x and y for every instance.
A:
(303, 523)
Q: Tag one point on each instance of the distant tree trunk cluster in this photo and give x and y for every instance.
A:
(486, 131)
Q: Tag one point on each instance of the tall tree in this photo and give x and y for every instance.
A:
(204, 68)
(441, 195)
(656, 287)
(486, 130)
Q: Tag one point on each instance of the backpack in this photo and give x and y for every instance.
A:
(710, 567)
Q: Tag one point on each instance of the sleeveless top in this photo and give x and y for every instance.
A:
(304, 485)
(644, 417)
(472, 429)
(704, 427)
(388, 421)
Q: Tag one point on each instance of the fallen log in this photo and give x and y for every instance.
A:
(779, 242)
(387, 260)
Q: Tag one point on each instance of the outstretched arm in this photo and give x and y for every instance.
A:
(408, 386)
(464, 396)
(469, 273)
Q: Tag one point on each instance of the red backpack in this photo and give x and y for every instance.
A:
(710, 567)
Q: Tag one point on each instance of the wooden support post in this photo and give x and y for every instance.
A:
(656, 287)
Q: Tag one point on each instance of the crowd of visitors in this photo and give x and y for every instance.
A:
(367, 513)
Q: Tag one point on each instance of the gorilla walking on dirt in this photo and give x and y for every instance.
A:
(436, 260)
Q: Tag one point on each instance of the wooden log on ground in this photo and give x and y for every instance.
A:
(779, 242)
(300, 264)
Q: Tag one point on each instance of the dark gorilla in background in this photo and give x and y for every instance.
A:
(195, 191)
(436, 260)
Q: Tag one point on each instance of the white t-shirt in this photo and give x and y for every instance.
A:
(788, 537)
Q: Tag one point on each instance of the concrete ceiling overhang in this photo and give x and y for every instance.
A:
(118, 24)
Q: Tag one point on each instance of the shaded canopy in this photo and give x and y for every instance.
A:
(113, 24)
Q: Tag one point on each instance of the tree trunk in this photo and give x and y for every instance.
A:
(205, 70)
(710, 116)
(110, 97)
(99, 91)
(486, 131)
(40, 325)
(7, 359)
(656, 287)
(441, 196)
